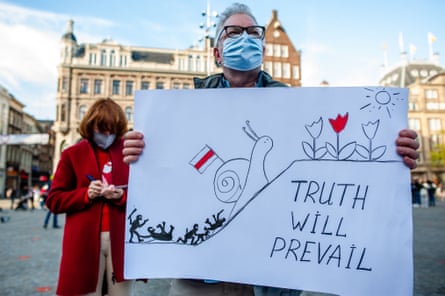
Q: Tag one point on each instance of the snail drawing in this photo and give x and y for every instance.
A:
(238, 180)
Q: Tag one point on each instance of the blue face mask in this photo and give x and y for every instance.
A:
(243, 53)
(103, 141)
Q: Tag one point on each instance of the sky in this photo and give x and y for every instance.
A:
(342, 42)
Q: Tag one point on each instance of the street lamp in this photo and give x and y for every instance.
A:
(207, 26)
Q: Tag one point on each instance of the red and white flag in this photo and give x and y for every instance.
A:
(203, 159)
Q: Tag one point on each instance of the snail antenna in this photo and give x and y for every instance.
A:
(251, 133)
(248, 134)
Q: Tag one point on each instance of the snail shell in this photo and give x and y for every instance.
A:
(230, 179)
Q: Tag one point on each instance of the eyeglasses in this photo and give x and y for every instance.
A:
(237, 31)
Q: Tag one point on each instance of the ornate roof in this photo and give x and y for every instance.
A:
(407, 73)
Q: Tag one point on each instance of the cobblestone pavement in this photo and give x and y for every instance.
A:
(29, 254)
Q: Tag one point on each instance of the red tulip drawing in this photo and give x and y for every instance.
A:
(338, 125)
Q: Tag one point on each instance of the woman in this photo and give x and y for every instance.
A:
(88, 188)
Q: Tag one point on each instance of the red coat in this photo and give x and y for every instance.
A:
(79, 265)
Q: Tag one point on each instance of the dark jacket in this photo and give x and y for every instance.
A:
(215, 81)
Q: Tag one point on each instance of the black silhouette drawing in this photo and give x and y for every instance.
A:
(189, 235)
(217, 222)
(200, 237)
(135, 225)
(162, 235)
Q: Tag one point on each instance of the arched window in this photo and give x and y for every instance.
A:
(103, 57)
(129, 114)
(198, 63)
(62, 112)
(190, 63)
(112, 58)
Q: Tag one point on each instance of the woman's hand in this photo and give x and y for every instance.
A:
(95, 189)
(111, 192)
(133, 146)
(407, 147)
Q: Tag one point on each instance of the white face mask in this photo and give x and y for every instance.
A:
(104, 141)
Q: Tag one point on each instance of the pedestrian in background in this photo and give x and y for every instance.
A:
(239, 51)
(423, 195)
(11, 193)
(23, 200)
(84, 189)
(415, 191)
(30, 199)
(431, 189)
(44, 195)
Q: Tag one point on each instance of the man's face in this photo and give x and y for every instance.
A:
(242, 20)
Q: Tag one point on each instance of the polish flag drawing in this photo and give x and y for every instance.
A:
(203, 159)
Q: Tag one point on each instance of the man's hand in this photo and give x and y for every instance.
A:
(407, 147)
(133, 146)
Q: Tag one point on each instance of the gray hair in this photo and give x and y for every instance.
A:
(235, 8)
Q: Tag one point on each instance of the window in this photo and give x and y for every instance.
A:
(97, 86)
(103, 57)
(269, 50)
(63, 113)
(277, 69)
(434, 106)
(176, 85)
(64, 84)
(434, 124)
(182, 64)
(276, 50)
(190, 63)
(83, 86)
(145, 85)
(414, 124)
(268, 67)
(129, 88)
(431, 94)
(129, 113)
(123, 60)
(82, 111)
(112, 59)
(186, 86)
(116, 87)
(435, 140)
(92, 59)
(198, 63)
(159, 85)
(284, 51)
(286, 70)
(296, 72)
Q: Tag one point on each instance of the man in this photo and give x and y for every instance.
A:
(239, 51)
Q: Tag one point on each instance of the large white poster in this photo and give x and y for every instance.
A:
(287, 187)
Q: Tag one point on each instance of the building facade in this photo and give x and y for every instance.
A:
(425, 80)
(88, 72)
(281, 59)
(21, 164)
